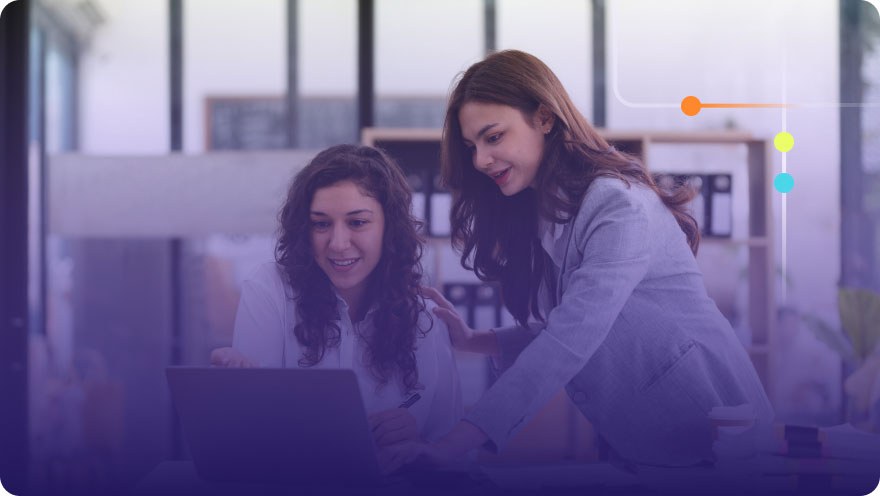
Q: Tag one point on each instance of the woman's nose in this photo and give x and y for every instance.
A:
(340, 239)
(482, 160)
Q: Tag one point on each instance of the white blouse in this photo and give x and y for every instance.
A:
(264, 334)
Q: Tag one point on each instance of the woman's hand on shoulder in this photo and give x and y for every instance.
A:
(462, 336)
(230, 358)
(459, 332)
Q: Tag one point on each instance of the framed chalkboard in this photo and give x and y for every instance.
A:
(245, 123)
(259, 122)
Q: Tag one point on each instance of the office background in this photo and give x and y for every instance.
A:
(162, 134)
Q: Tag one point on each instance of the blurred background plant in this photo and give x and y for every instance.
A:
(857, 345)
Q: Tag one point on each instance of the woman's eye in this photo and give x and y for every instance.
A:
(358, 223)
(494, 138)
(320, 224)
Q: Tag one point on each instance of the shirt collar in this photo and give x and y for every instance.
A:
(551, 233)
(343, 305)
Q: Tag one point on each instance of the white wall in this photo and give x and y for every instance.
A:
(559, 33)
(327, 42)
(231, 48)
(124, 81)
(421, 46)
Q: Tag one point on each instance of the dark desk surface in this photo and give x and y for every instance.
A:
(180, 478)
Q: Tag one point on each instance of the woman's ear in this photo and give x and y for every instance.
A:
(544, 119)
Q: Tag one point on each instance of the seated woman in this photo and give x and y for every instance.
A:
(344, 293)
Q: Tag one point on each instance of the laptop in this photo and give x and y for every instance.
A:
(275, 426)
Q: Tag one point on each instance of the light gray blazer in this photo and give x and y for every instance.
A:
(641, 349)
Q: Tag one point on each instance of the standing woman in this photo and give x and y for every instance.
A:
(597, 266)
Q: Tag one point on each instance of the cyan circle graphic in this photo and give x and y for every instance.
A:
(784, 182)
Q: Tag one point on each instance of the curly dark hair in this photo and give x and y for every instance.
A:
(393, 285)
(498, 235)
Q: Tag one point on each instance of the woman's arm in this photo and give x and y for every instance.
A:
(230, 358)
(611, 247)
(463, 438)
(484, 343)
(259, 321)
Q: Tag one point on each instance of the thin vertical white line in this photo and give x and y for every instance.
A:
(783, 234)
(784, 250)
(784, 86)
(784, 120)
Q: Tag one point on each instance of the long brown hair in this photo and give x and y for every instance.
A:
(394, 283)
(498, 235)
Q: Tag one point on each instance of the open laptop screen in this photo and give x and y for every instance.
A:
(291, 426)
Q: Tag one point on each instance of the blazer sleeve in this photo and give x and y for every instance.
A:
(511, 341)
(611, 235)
(259, 322)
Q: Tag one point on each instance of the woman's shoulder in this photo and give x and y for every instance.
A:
(265, 271)
(430, 305)
(430, 325)
(609, 194)
(614, 187)
(268, 275)
(427, 315)
(610, 201)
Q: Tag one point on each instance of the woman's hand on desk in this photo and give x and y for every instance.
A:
(392, 458)
(393, 426)
(452, 447)
(230, 358)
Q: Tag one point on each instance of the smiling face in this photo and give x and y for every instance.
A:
(347, 227)
(505, 145)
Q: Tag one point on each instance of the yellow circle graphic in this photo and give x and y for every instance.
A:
(784, 141)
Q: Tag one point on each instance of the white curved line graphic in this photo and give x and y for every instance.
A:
(612, 48)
